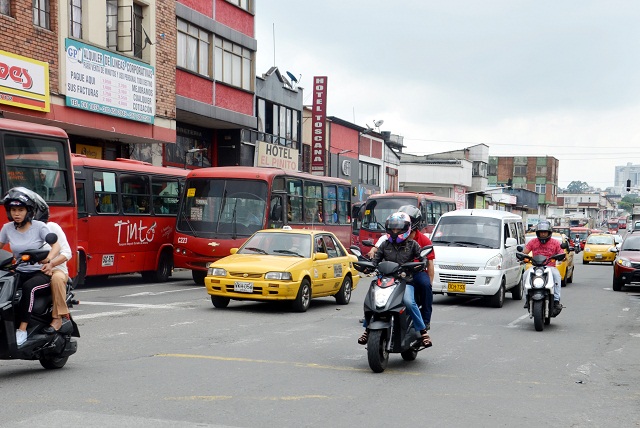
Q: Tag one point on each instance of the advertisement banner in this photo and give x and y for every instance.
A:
(24, 82)
(318, 125)
(105, 82)
(276, 156)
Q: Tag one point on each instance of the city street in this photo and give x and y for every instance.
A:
(162, 355)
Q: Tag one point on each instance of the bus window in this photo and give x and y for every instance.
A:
(165, 195)
(104, 184)
(276, 209)
(294, 207)
(344, 204)
(313, 203)
(82, 206)
(135, 194)
(330, 205)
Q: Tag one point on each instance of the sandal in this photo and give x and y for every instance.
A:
(426, 340)
(362, 340)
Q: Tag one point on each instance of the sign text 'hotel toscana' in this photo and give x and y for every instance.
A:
(318, 121)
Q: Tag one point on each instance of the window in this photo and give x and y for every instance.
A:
(165, 193)
(541, 188)
(520, 170)
(194, 46)
(41, 13)
(5, 7)
(112, 24)
(75, 19)
(492, 170)
(135, 194)
(479, 169)
(243, 4)
(233, 64)
(137, 31)
(106, 196)
(541, 170)
(369, 174)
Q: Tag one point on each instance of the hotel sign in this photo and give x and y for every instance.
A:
(318, 125)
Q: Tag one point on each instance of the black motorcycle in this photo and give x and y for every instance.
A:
(390, 326)
(52, 350)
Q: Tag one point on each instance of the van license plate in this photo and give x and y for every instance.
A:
(456, 287)
(598, 256)
(243, 287)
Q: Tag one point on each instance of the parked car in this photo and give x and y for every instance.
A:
(598, 248)
(284, 264)
(566, 266)
(626, 268)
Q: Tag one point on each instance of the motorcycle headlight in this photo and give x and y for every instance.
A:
(494, 263)
(538, 282)
(215, 271)
(624, 262)
(279, 276)
(381, 295)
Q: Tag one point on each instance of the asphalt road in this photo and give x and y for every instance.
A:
(161, 355)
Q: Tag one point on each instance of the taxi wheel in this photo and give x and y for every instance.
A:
(584, 262)
(220, 302)
(344, 294)
(303, 299)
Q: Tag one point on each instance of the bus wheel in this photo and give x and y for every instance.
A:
(198, 276)
(82, 271)
(162, 272)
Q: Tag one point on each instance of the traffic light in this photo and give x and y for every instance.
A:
(628, 185)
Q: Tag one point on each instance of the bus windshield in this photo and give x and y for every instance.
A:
(223, 207)
(376, 211)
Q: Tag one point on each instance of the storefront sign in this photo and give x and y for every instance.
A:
(104, 82)
(274, 155)
(460, 197)
(93, 152)
(24, 82)
(318, 125)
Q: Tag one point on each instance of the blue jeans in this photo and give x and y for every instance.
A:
(409, 301)
(422, 284)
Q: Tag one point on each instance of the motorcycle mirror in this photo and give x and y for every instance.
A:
(564, 245)
(355, 250)
(520, 248)
(426, 250)
(51, 238)
(367, 243)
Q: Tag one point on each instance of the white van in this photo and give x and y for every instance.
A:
(475, 253)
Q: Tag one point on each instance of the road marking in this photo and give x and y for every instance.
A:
(98, 315)
(131, 305)
(158, 293)
(514, 322)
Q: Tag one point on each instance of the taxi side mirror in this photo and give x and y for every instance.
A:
(320, 256)
(233, 251)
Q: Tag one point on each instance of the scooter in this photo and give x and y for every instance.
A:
(538, 286)
(390, 327)
(52, 350)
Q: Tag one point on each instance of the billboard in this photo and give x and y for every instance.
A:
(24, 82)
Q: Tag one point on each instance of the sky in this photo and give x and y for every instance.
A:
(554, 78)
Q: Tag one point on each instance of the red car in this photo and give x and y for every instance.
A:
(626, 267)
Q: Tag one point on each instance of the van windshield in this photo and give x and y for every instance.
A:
(467, 231)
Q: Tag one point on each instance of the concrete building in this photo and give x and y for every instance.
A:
(624, 173)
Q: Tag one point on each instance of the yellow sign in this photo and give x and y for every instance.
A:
(191, 192)
(93, 152)
(24, 82)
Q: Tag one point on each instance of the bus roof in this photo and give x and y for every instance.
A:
(31, 128)
(121, 164)
(257, 172)
(428, 195)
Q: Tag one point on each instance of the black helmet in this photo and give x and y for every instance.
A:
(414, 214)
(401, 222)
(544, 226)
(41, 212)
(19, 197)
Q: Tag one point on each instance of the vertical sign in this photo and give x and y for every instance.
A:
(318, 116)
(459, 196)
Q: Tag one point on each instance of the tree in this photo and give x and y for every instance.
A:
(627, 202)
(578, 187)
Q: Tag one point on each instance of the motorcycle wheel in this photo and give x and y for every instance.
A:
(409, 354)
(538, 315)
(51, 363)
(377, 351)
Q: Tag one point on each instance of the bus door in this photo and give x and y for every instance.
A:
(277, 208)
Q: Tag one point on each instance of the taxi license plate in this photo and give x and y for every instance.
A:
(243, 287)
(456, 287)
(598, 256)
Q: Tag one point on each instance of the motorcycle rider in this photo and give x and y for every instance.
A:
(400, 248)
(544, 245)
(24, 233)
(422, 280)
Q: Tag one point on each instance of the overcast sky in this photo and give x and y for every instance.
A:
(531, 78)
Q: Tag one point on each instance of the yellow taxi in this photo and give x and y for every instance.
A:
(597, 248)
(565, 267)
(284, 264)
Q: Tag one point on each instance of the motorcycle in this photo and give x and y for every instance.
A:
(52, 350)
(390, 326)
(538, 287)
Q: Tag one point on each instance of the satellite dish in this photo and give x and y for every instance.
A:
(377, 123)
(292, 77)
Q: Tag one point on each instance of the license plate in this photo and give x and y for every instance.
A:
(243, 287)
(598, 256)
(456, 287)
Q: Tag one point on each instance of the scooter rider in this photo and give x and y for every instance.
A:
(401, 249)
(23, 233)
(544, 245)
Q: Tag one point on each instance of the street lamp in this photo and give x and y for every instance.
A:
(191, 151)
(341, 152)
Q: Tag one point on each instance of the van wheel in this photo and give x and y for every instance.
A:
(518, 291)
(497, 300)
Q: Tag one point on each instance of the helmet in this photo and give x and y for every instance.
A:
(414, 214)
(400, 221)
(19, 197)
(41, 212)
(544, 226)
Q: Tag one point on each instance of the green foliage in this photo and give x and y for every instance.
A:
(627, 202)
(578, 187)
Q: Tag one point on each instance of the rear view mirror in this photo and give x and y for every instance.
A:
(51, 238)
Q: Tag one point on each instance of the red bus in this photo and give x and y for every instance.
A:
(222, 206)
(126, 217)
(612, 225)
(378, 207)
(622, 222)
(38, 157)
